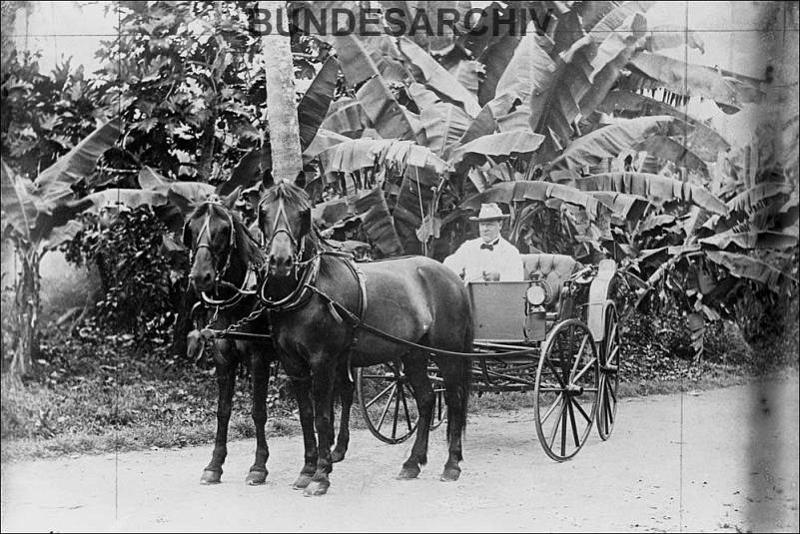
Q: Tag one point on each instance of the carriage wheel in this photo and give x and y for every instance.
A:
(565, 395)
(387, 403)
(609, 374)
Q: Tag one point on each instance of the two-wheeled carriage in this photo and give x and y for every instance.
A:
(555, 334)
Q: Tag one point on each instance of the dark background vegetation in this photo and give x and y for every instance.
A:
(114, 373)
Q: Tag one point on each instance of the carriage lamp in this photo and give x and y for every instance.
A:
(536, 294)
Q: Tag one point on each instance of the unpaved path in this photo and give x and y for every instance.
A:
(714, 461)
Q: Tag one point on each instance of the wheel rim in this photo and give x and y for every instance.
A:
(609, 374)
(387, 403)
(565, 395)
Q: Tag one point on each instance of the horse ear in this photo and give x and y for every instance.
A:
(188, 239)
(231, 199)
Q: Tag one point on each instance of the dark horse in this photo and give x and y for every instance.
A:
(223, 253)
(309, 290)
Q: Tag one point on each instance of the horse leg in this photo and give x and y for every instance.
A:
(260, 376)
(322, 385)
(416, 369)
(345, 388)
(226, 380)
(301, 387)
(456, 374)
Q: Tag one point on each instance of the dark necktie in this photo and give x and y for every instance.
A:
(489, 246)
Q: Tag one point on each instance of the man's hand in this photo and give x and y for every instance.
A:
(491, 276)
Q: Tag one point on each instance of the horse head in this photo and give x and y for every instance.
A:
(284, 217)
(210, 233)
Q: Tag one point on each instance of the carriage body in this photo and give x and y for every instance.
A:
(554, 334)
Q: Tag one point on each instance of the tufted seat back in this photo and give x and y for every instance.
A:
(555, 269)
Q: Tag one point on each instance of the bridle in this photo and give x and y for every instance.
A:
(296, 297)
(281, 225)
(204, 241)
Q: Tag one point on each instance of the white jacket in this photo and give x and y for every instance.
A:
(472, 260)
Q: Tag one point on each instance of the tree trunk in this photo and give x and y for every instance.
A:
(284, 132)
(26, 310)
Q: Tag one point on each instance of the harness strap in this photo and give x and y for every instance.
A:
(358, 323)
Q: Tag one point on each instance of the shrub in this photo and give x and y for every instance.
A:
(140, 288)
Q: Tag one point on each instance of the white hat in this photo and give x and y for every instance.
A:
(490, 212)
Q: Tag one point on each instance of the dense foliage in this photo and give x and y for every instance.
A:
(402, 138)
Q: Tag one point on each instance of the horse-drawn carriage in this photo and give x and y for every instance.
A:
(322, 314)
(555, 334)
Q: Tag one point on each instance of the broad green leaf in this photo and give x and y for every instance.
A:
(669, 149)
(378, 223)
(357, 154)
(508, 192)
(750, 240)
(653, 187)
(752, 198)
(697, 80)
(19, 207)
(348, 118)
(313, 108)
(503, 144)
(742, 266)
(700, 139)
(444, 125)
(609, 141)
(151, 179)
(438, 78)
(54, 184)
(324, 140)
(116, 199)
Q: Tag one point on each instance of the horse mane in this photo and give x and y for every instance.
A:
(246, 244)
(290, 193)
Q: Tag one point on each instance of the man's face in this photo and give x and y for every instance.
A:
(489, 230)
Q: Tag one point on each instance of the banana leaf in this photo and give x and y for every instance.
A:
(653, 187)
(498, 145)
(609, 141)
(437, 78)
(687, 79)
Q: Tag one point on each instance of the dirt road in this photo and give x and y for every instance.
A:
(719, 460)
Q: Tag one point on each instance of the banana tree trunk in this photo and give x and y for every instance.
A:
(25, 318)
(284, 132)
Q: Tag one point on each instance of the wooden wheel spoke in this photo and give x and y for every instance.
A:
(583, 412)
(379, 395)
(564, 428)
(584, 369)
(386, 408)
(555, 372)
(572, 422)
(578, 355)
(611, 390)
(552, 407)
(555, 428)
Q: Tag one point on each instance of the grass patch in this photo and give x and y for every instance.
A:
(97, 396)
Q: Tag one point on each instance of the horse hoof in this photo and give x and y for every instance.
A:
(450, 474)
(211, 477)
(337, 456)
(408, 473)
(317, 488)
(302, 482)
(256, 477)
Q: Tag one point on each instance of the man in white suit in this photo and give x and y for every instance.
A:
(488, 257)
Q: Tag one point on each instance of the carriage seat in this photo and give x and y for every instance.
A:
(555, 269)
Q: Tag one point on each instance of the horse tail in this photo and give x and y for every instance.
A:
(462, 371)
(466, 369)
